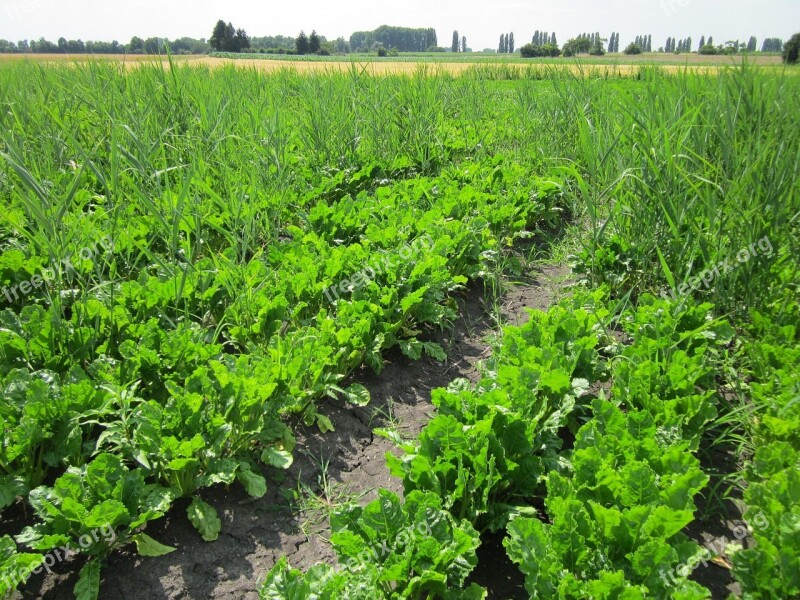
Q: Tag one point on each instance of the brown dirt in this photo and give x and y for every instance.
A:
(538, 292)
(255, 533)
(719, 522)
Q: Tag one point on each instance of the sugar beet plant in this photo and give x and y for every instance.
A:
(192, 261)
(694, 201)
(603, 517)
(253, 255)
(692, 193)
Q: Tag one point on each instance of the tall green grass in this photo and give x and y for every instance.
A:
(690, 170)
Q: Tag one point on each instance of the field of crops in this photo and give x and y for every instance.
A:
(201, 265)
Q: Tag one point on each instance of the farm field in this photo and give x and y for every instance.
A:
(488, 65)
(758, 59)
(453, 331)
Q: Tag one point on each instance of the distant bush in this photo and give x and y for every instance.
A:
(577, 45)
(633, 49)
(274, 50)
(597, 49)
(531, 51)
(435, 49)
(791, 50)
(538, 51)
(382, 52)
(708, 49)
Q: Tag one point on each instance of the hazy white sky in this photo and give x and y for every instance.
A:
(480, 21)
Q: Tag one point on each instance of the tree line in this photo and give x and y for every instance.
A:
(506, 43)
(543, 45)
(402, 39)
(459, 43)
(226, 38)
(137, 45)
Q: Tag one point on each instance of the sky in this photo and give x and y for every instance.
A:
(481, 21)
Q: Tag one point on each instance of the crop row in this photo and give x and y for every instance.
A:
(219, 350)
(192, 260)
(580, 442)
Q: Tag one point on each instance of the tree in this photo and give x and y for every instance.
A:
(633, 48)
(313, 42)
(76, 47)
(791, 50)
(403, 39)
(301, 44)
(702, 43)
(240, 41)
(136, 45)
(228, 42)
(552, 41)
(710, 40)
(217, 41)
(224, 38)
(430, 38)
(342, 46)
(153, 45)
(539, 50)
(502, 47)
(579, 45)
(456, 42)
(597, 48)
(464, 43)
(535, 40)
